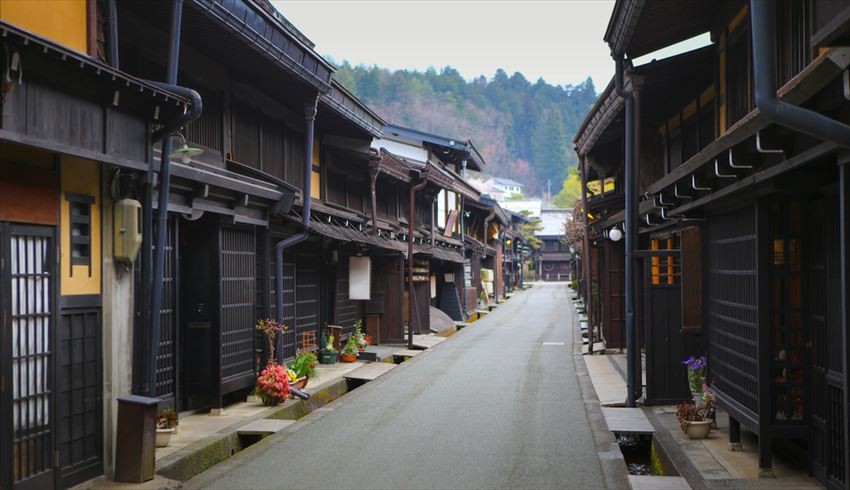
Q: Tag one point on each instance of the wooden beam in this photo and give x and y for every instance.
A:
(792, 163)
(798, 90)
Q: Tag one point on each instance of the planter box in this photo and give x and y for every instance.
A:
(326, 357)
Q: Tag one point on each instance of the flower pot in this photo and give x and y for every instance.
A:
(327, 357)
(361, 349)
(697, 396)
(300, 384)
(347, 357)
(163, 437)
(698, 429)
(368, 339)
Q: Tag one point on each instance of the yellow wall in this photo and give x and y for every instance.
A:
(316, 183)
(63, 21)
(80, 177)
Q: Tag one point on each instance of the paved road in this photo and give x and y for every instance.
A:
(491, 407)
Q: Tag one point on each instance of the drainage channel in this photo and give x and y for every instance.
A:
(643, 456)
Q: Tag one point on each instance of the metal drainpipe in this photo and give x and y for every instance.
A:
(637, 83)
(411, 216)
(112, 13)
(763, 21)
(374, 170)
(162, 211)
(586, 246)
(630, 230)
(310, 109)
(463, 250)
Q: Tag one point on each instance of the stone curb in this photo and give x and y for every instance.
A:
(611, 460)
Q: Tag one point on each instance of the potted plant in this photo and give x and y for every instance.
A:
(696, 377)
(327, 354)
(358, 335)
(166, 425)
(304, 368)
(695, 418)
(273, 385)
(349, 352)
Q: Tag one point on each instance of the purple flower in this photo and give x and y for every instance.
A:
(694, 364)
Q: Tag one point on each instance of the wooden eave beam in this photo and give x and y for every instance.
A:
(797, 91)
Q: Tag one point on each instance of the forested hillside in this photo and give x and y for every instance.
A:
(523, 129)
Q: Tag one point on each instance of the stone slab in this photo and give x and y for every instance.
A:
(609, 386)
(264, 427)
(597, 348)
(370, 371)
(427, 341)
(632, 420)
(650, 482)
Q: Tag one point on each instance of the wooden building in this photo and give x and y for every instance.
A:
(74, 130)
(740, 157)
(554, 256)
(439, 274)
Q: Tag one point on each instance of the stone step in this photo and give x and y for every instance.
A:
(264, 427)
(370, 371)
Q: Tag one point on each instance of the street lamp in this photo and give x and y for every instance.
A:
(615, 235)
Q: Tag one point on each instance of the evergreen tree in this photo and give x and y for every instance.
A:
(524, 130)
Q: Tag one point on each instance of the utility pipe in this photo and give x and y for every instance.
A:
(763, 21)
(310, 110)
(463, 248)
(112, 13)
(411, 216)
(636, 84)
(586, 247)
(164, 180)
(629, 229)
(374, 170)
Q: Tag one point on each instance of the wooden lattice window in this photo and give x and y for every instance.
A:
(79, 207)
(664, 269)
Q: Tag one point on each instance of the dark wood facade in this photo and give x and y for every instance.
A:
(737, 206)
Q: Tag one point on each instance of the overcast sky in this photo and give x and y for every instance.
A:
(559, 40)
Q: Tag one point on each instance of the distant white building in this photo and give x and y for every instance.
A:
(532, 206)
(505, 188)
(498, 188)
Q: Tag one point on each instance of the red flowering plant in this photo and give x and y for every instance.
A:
(273, 384)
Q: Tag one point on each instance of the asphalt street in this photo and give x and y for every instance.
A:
(496, 406)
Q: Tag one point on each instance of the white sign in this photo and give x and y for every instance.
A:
(359, 277)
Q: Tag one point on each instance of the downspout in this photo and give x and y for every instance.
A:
(374, 170)
(486, 239)
(637, 84)
(586, 245)
(763, 21)
(310, 109)
(112, 13)
(411, 216)
(463, 238)
(164, 134)
(463, 250)
(630, 229)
